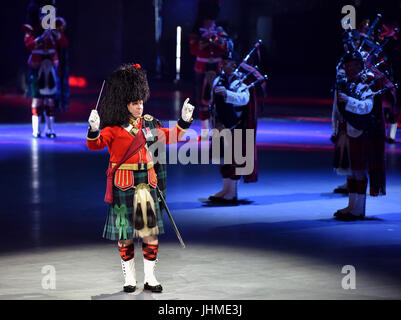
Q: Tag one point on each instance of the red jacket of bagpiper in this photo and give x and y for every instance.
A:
(47, 47)
(206, 52)
(117, 139)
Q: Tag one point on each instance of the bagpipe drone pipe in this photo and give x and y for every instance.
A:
(366, 91)
(247, 78)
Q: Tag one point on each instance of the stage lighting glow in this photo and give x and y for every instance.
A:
(178, 54)
(79, 82)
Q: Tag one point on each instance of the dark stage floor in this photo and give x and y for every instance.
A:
(283, 245)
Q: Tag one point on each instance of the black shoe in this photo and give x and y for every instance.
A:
(51, 135)
(341, 190)
(129, 288)
(349, 217)
(156, 289)
(222, 200)
(37, 136)
(338, 213)
(215, 199)
(389, 140)
(229, 201)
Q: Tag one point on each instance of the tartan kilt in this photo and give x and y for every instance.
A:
(367, 153)
(341, 157)
(32, 85)
(111, 231)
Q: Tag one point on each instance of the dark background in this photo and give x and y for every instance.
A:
(301, 37)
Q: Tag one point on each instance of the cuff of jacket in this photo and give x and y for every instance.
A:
(92, 135)
(230, 97)
(184, 125)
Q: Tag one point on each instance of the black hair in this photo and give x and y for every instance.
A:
(127, 84)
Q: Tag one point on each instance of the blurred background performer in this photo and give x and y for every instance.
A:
(233, 107)
(43, 79)
(208, 43)
(63, 96)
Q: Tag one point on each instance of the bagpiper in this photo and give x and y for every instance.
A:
(361, 108)
(351, 41)
(234, 108)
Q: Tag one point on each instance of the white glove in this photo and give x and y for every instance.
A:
(342, 97)
(221, 91)
(94, 120)
(187, 110)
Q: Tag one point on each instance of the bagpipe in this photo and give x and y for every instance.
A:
(368, 43)
(373, 80)
(374, 42)
(369, 78)
(251, 76)
(247, 78)
(376, 68)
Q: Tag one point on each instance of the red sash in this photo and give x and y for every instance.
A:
(138, 142)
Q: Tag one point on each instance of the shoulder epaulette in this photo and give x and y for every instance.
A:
(148, 117)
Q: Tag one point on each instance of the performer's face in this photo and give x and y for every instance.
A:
(136, 108)
(352, 69)
(229, 66)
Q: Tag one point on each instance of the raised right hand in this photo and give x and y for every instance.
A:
(94, 120)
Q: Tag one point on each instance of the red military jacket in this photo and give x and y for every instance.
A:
(206, 52)
(117, 139)
(46, 47)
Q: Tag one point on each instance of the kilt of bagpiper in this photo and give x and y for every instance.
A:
(341, 161)
(367, 153)
(122, 208)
